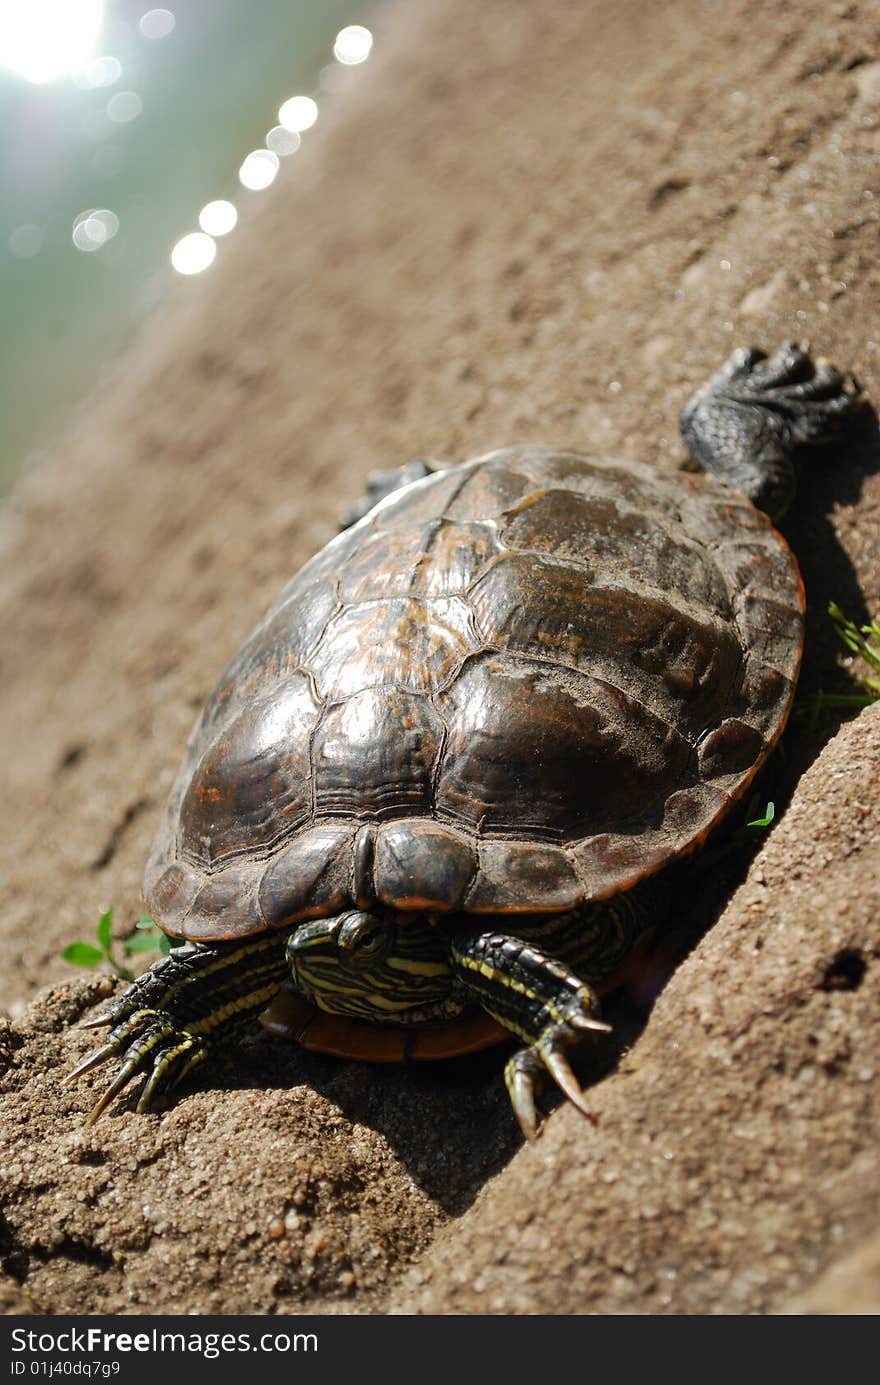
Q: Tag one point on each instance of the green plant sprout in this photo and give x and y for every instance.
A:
(746, 835)
(148, 937)
(765, 821)
(864, 642)
(753, 827)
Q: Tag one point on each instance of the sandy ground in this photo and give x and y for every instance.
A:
(515, 224)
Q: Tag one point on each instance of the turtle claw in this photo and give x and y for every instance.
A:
(114, 1044)
(122, 1077)
(97, 1022)
(167, 1052)
(557, 1065)
(521, 1088)
(582, 1021)
(529, 1068)
(148, 1039)
(92, 1060)
(746, 424)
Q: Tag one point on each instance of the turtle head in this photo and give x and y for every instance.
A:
(378, 965)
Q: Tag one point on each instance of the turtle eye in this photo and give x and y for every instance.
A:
(362, 936)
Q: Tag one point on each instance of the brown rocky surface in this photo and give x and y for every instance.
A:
(515, 224)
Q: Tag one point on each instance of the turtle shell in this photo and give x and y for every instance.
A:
(515, 686)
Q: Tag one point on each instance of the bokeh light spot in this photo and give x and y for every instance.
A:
(193, 253)
(282, 141)
(156, 24)
(353, 44)
(299, 113)
(218, 218)
(94, 228)
(97, 72)
(259, 169)
(124, 106)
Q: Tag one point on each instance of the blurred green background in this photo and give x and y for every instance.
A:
(144, 115)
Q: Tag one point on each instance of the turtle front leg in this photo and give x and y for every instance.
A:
(538, 999)
(746, 424)
(166, 1021)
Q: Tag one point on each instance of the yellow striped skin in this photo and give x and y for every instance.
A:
(390, 968)
(395, 967)
(257, 961)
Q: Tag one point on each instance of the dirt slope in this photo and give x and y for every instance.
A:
(514, 224)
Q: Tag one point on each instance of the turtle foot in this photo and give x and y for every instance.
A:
(148, 1041)
(812, 396)
(748, 420)
(162, 1021)
(539, 999)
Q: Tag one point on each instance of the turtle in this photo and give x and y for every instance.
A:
(433, 798)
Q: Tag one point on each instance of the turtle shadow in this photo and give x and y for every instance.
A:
(450, 1122)
(831, 480)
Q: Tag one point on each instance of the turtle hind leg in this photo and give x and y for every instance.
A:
(746, 424)
(167, 1021)
(381, 484)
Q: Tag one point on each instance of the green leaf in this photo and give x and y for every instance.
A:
(150, 937)
(142, 942)
(83, 955)
(160, 939)
(105, 924)
(765, 821)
